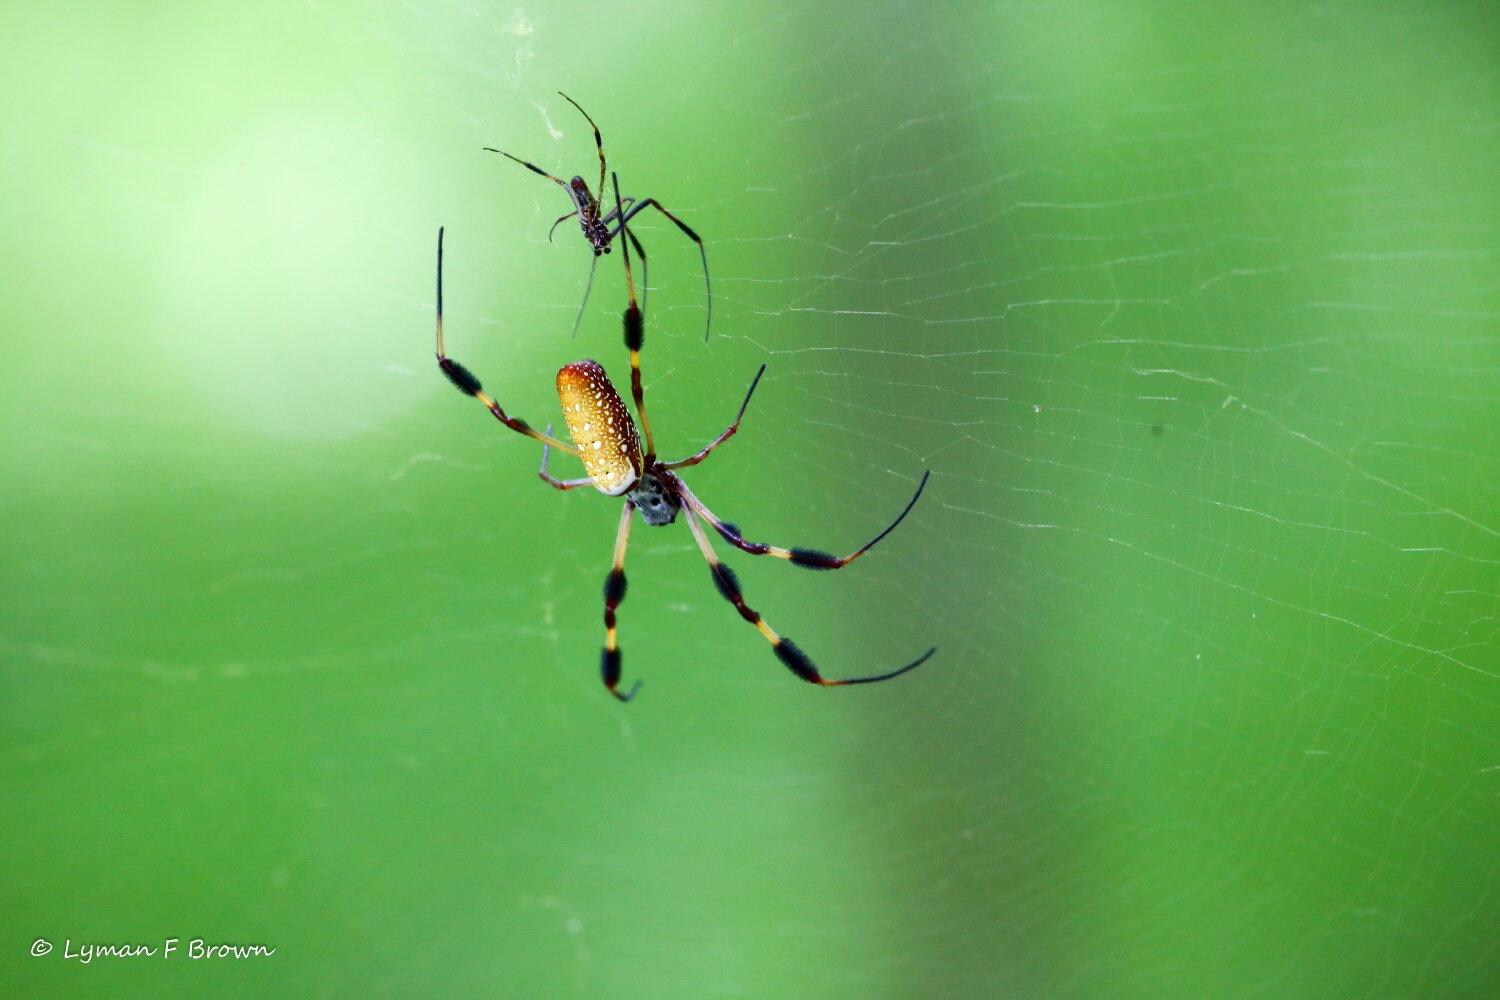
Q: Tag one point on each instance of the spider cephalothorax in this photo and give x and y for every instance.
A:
(608, 442)
(657, 503)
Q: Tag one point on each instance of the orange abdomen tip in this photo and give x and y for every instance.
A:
(600, 426)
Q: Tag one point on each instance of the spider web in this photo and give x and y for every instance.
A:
(1190, 313)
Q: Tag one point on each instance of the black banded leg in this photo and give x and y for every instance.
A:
(806, 558)
(640, 252)
(621, 204)
(614, 593)
(635, 336)
(468, 383)
(728, 433)
(534, 169)
(634, 210)
(598, 139)
(786, 651)
(562, 484)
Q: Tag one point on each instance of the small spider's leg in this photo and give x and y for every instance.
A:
(533, 168)
(620, 208)
(587, 288)
(806, 558)
(728, 431)
(559, 221)
(562, 484)
(624, 221)
(786, 651)
(598, 139)
(635, 336)
(614, 593)
(468, 383)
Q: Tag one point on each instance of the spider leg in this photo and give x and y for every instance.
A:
(598, 139)
(468, 383)
(645, 270)
(562, 484)
(621, 207)
(614, 593)
(614, 213)
(806, 558)
(786, 651)
(728, 431)
(534, 169)
(587, 289)
(635, 336)
(559, 221)
(623, 222)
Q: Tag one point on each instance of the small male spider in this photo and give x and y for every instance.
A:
(606, 440)
(601, 230)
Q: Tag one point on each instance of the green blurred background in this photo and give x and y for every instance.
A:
(1190, 309)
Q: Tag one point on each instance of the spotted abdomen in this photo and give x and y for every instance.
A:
(600, 426)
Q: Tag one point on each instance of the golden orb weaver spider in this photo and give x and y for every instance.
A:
(601, 230)
(606, 440)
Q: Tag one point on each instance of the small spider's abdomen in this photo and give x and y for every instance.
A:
(600, 426)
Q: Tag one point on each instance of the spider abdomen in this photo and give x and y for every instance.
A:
(601, 427)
